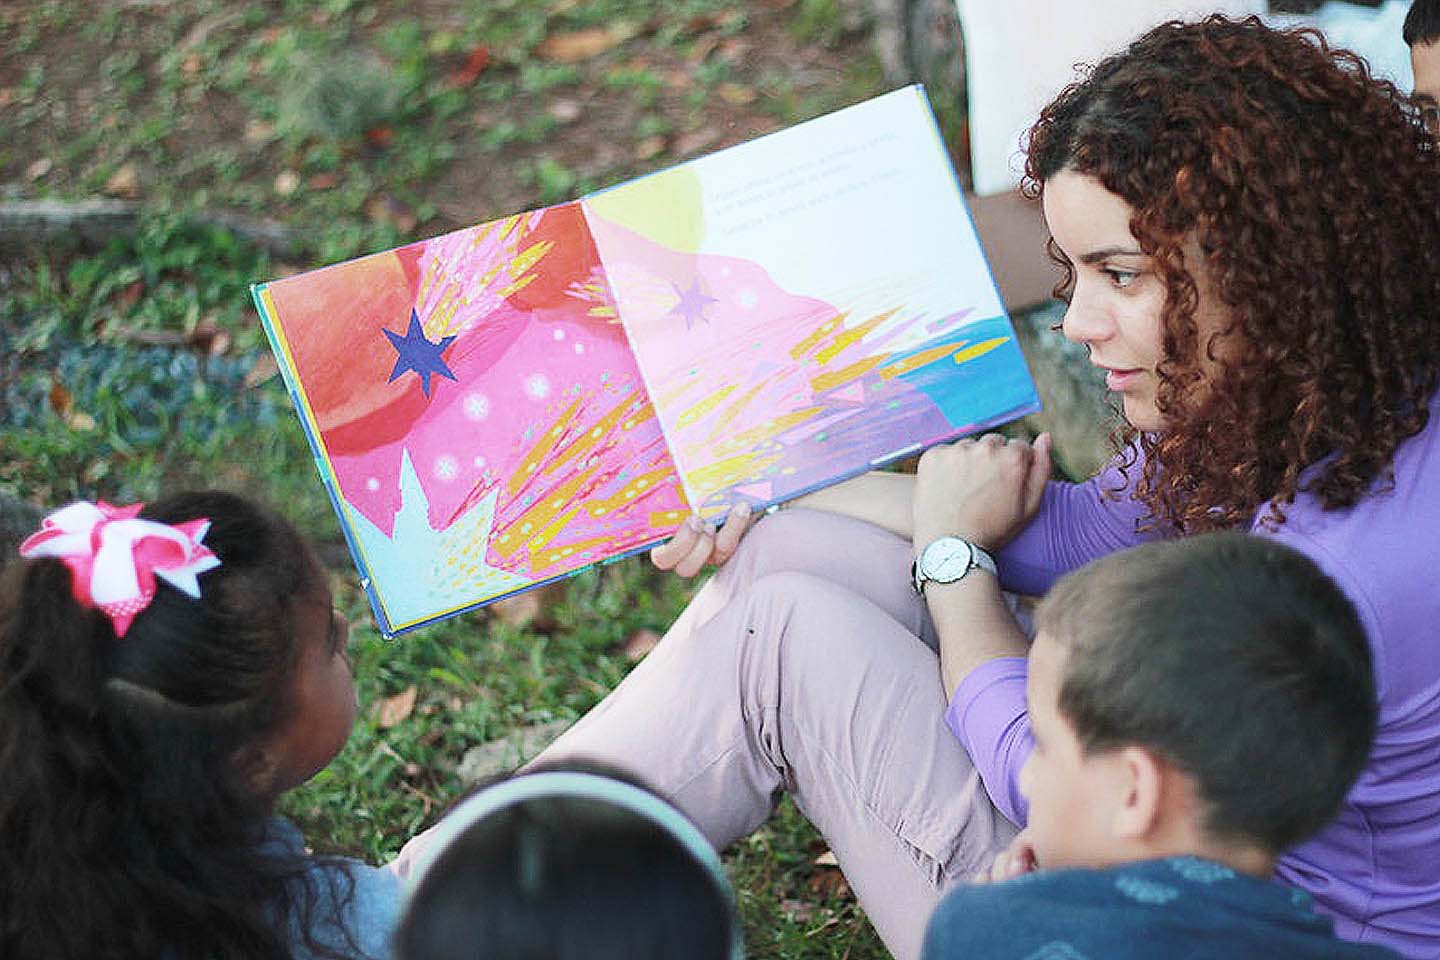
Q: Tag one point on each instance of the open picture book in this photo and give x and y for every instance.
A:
(506, 404)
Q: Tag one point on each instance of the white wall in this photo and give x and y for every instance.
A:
(1020, 53)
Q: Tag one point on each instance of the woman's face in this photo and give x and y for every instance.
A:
(1117, 299)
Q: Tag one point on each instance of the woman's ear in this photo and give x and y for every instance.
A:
(1140, 784)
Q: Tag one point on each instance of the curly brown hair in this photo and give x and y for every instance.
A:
(1313, 193)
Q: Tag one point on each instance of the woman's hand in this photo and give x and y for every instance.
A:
(1013, 861)
(982, 489)
(695, 544)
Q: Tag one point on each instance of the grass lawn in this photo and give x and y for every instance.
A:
(358, 125)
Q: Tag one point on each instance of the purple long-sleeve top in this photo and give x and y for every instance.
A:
(1376, 868)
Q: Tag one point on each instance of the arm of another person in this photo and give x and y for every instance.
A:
(985, 492)
(1074, 524)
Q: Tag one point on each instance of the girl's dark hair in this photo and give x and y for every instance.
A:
(1422, 23)
(129, 829)
(1227, 654)
(1312, 192)
(567, 878)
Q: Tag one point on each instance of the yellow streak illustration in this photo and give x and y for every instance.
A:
(819, 334)
(532, 460)
(700, 409)
(979, 349)
(853, 334)
(835, 378)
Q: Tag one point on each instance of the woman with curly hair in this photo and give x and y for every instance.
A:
(1251, 229)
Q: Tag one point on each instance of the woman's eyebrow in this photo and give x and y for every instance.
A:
(1105, 253)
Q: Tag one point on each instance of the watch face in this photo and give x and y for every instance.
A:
(945, 560)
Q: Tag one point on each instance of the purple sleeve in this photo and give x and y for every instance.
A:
(1077, 522)
(989, 717)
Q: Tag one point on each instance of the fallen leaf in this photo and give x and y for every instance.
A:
(39, 168)
(323, 181)
(580, 45)
(80, 421)
(261, 371)
(798, 910)
(60, 399)
(394, 710)
(502, 756)
(565, 111)
(475, 63)
(702, 49)
(380, 137)
(826, 859)
(259, 132)
(287, 182)
(638, 644)
(829, 883)
(130, 294)
(517, 611)
(695, 141)
(7, 96)
(736, 95)
(210, 338)
(124, 183)
(190, 66)
(387, 209)
(533, 608)
(650, 147)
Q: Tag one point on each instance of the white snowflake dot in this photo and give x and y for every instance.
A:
(559, 334)
(446, 468)
(579, 348)
(477, 406)
(537, 386)
(372, 484)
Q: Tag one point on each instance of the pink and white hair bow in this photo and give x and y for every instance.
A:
(114, 556)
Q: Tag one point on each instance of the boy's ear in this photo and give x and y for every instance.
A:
(1140, 782)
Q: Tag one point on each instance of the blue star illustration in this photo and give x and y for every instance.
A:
(418, 354)
(692, 304)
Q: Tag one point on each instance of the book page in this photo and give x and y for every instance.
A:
(810, 303)
(475, 411)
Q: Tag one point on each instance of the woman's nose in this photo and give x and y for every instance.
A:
(1084, 322)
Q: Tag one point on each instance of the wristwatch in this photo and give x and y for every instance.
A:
(946, 560)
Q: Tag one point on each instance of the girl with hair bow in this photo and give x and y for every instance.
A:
(166, 672)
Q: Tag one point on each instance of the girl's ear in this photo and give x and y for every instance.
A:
(1140, 782)
(256, 767)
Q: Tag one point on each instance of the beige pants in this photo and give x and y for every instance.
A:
(807, 664)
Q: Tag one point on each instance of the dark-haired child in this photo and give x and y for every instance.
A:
(1198, 707)
(166, 673)
(567, 865)
(1422, 36)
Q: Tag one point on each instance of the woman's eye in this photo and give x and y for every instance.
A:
(1121, 278)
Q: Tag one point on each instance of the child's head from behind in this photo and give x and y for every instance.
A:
(164, 747)
(1211, 695)
(568, 864)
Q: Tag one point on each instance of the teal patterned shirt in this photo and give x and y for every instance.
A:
(1178, 909)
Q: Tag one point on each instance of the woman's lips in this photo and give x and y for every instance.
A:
(1121, 380)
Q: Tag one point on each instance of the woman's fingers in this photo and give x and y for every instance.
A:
(696, 544)
(668, 555)
(1039, 474)
(699, 555)
(728, 539)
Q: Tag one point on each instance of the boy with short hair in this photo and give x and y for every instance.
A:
(1198, 706)
(1422, 36)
